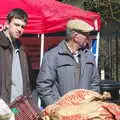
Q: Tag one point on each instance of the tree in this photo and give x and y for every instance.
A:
(109, 9)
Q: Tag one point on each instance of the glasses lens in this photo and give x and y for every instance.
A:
(85, 33)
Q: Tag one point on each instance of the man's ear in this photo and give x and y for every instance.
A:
(73, 35)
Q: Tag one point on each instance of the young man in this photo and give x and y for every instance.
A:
(14, 76)
(70, 65)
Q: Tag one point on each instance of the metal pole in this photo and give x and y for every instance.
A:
(117, 73)
(97, 41)
(41, 57)
(42, 48)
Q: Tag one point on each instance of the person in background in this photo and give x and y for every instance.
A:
(14, 73)
(70, 65)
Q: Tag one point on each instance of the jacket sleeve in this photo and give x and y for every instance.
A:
(45, 83)
(95, 79)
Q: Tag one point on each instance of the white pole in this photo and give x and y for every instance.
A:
(102, 74)
(97, 42)
(41, 57)
(41, 48)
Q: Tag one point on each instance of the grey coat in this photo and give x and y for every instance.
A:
(60, 73)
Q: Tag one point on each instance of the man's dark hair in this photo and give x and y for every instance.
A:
(17, 13)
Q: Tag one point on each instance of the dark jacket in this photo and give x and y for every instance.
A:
(6, 68)
(60, 73)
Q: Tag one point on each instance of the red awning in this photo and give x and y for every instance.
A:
(47, 16)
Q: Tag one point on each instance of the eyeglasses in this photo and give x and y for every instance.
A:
(87, 33)
(84, 33)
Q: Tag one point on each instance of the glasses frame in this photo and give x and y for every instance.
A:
(87, 34)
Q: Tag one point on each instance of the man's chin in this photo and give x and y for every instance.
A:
(16, 37)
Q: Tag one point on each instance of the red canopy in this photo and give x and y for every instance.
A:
(47, 16)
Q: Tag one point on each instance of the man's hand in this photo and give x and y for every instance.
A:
(106, 95)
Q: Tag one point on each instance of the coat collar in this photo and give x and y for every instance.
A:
(4, 41)
(85, 54)
(65, 50)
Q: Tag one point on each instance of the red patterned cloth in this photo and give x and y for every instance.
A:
(82, 104)
(24, 108)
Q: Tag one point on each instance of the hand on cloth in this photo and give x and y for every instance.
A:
(106, 95)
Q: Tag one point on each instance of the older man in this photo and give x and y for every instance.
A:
(70, 65)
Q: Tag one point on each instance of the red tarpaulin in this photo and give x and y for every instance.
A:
(47, 16)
